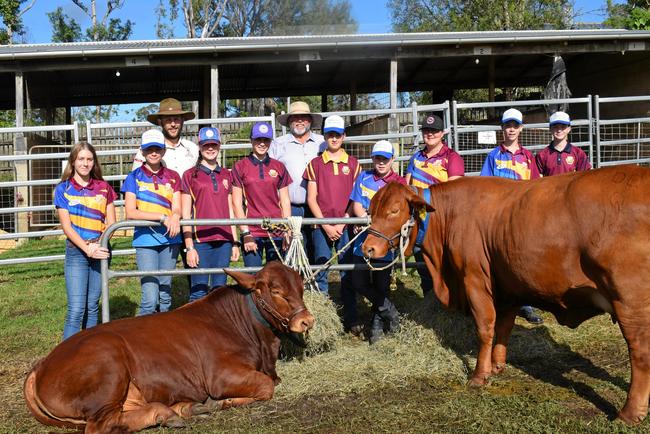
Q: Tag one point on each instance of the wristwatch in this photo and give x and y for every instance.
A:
(189, 249)
(163, 219)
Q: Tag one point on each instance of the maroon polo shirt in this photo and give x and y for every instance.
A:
(209, 190)
(551, 162)
(334, 181)
(261, 182)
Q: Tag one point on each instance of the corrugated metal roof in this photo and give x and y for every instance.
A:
(26, 51)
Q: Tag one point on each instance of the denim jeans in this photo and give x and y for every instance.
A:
(83, 285)
(254, 259)
(323, 252)
(214, 254)
(156, 290)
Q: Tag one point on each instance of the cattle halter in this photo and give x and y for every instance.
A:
(255, 300)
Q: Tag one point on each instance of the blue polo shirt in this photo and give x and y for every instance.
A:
(519, 165)
(365, 187)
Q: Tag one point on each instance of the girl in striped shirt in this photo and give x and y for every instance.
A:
(153, 192)
(84, 205)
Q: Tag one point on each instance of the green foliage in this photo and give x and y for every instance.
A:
(64, 28)
(479, 15)
(94, 114)
(67, 29)
(205, 18)
(11, 12)
(142, 113)
(634, 15)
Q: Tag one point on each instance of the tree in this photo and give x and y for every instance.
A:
(635, 15)
(11, 13)
(67, 29)
(64, 28)
(214, 18)
(479, 15)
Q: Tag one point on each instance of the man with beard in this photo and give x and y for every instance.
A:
(180, 154)
(295, 150)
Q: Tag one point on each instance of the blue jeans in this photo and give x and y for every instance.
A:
(323, 252)
(215, 254)
(156, 290)
(254, 259)
(83, 285)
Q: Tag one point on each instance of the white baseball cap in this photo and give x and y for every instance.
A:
(383, 148)
(512, 115)
(151, 138)
(335, 124)
(559, 118)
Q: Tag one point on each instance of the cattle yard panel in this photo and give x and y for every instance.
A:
(477, 130)
(619, 141)
(623, 140)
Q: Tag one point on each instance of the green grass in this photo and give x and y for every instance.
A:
(557, 380)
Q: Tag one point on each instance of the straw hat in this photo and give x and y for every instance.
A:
(170, 107)
(301, 108)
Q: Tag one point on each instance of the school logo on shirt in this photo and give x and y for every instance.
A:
(100, 199)
(143, 188)
(345, 170)
(273, 173)
(225, 183)
(437, 163)
(73, 202)
(570, 159)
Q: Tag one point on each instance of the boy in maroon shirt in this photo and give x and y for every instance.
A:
(330, 178)
(561, 156)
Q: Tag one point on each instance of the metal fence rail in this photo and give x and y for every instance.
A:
(107, 274)
(28, 179)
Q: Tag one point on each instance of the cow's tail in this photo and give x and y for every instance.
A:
(37, 408)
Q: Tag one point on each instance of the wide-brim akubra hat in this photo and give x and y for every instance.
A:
(301, 108)
(170, 107)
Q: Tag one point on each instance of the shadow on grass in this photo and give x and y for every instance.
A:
(122, 307)
(532, 350)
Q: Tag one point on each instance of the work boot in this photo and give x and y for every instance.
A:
(376, 329)
(389, 313)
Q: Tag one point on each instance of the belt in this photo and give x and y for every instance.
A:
(301, 205)
(94, 240)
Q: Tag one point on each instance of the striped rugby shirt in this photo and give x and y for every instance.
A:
(86, 205)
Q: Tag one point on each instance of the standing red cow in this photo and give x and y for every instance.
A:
(214, 353)
(576, 245)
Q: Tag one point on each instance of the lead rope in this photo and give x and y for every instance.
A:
(296, 257)
(403, 242)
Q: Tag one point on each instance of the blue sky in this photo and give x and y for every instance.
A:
(372, 16)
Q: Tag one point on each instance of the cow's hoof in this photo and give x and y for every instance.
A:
(630, 419)
(476, 382)
(174, 422)
(200, 409)
(213, 405)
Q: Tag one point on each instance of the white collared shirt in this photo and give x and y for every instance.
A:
(178, 158)
(295, 156)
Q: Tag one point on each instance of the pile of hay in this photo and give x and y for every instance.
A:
(326, 334)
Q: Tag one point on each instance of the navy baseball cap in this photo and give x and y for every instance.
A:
(209, 135)
(262, 130)
(432, 122)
